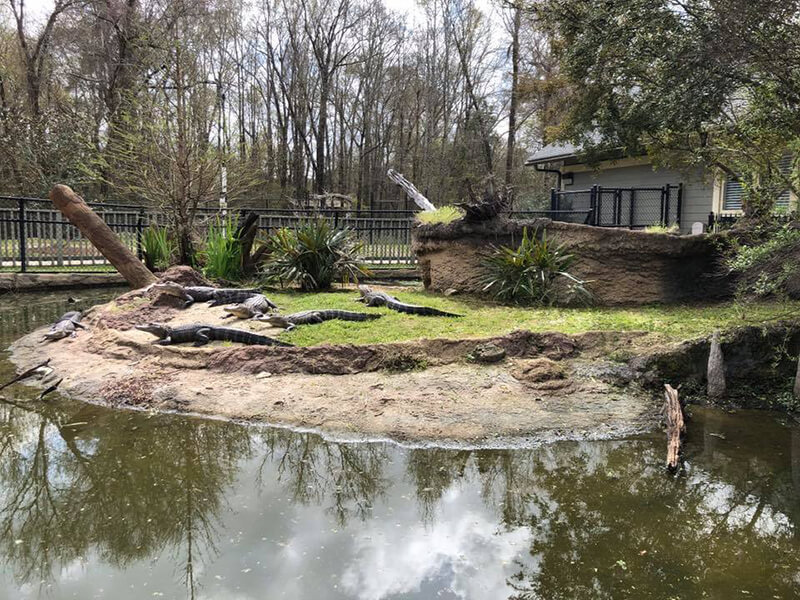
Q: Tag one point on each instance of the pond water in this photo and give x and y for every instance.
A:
(98, 503)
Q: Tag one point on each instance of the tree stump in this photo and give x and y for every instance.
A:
(100, 235)
(673, 415)
(716, 370)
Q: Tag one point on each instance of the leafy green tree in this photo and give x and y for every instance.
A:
(695, 83)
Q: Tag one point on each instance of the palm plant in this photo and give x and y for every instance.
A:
(223, 252)
(536, 272)
(158, 247)
(314, 256)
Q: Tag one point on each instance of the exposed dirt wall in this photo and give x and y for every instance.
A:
(623, 266)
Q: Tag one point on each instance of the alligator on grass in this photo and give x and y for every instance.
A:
(310, 317)
(372, 297)
(65, 326)
(202, 334)
(254, 307)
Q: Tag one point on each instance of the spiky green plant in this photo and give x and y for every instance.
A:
(535, 272)
(313, 256)
(222, 253)
(158, 247)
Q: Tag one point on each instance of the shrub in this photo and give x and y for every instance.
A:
(445, 214)
(222, 254)
(314, 256)
(766, 262)
(536, 272)
(158, 247)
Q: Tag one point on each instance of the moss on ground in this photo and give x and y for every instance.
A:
(486, 319)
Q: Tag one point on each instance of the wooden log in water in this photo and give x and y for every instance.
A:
(26, 374)
(673, 415)
(100, 234)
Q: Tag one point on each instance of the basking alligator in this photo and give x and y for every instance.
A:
(202, 334)
(310, 317)
(65, 326)
(201, 293)
(253, 307)
(376, 298)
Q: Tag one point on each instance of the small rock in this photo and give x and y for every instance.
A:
(263, 375)
(487, 353)
(278, 403)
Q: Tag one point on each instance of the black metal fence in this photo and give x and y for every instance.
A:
(35, 236)
(634, 208)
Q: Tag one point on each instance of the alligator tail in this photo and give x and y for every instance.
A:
(425, 311)
(346, 315)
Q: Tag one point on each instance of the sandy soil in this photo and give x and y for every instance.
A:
(550, 386)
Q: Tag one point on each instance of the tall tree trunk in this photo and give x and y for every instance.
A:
(512, 109)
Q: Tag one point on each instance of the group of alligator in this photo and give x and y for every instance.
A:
(245, 304)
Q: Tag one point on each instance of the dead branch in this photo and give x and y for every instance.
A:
(673, 415)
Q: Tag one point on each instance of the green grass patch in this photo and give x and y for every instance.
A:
(445, 214)
(486, 319)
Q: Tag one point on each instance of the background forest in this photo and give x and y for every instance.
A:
(145, 100)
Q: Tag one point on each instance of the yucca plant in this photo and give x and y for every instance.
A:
(535, 272)
(314, 256)
(222, 254)
(158, 247)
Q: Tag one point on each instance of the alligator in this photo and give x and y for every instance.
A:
(310, 317)
(65, 326)
(202, 293)
(253, 307)
(372, 297)
(202, 334)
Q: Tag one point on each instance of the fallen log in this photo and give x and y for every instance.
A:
(26, 374)
(100, 235)
(673, 415)
(411, 191)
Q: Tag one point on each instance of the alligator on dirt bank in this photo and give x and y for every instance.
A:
(201, 293)
(65, 326)
(202, 334)
(254, 307)
(372, 297)
(310, 317)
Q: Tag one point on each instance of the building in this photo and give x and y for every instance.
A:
(629, 191)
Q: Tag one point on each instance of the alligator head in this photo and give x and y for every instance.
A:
(364, 290)
(169, 287)
(159, 330)
(240, 311)
(275, 320)
(56, 334)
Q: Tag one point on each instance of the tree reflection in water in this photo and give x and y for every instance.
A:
(601, 519)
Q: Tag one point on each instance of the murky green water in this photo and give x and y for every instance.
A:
(97, 503)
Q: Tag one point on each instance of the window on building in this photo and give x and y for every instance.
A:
(732, 194)
(785, 166)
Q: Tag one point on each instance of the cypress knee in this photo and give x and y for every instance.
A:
(99, 233)
(716, 370)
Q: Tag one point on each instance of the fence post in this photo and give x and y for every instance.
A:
(680, 204)
(553, 200)
(336, 219)
(666, 204)
(630, 212)
(593, 205)
(599, 205)
(22, 236)
(139, 231)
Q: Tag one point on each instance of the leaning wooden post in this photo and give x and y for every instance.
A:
(98, 233)
(716, 370)
(673, 415)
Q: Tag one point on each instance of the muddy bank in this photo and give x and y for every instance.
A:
(542, 385)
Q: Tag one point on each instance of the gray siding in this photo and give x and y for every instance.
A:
(697, 194)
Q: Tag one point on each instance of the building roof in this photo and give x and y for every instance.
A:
(552, 153)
